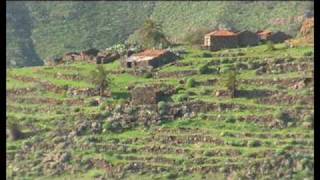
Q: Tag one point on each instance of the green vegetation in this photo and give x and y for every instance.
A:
(69, 133)
(37, 30)
(100, 78)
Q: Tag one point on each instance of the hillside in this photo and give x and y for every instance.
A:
(37, 30)
(197, 132)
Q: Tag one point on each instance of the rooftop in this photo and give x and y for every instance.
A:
(221, 33)
(146, 55)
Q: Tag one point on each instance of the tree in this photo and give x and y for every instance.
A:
(231, 83)
(150, 35)
(195, 37)
(100, 79)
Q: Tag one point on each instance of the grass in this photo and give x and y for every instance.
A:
(235, 143)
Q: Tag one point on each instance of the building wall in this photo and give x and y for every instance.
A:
(223, 42)
(248, 39)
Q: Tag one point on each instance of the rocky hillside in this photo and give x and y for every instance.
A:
(197, 131)
(36, 30)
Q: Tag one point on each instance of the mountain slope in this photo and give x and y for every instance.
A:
(37, 30)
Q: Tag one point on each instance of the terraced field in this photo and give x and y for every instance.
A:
(198, 132)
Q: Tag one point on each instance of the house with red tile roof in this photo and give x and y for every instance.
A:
(220, 39)
(149, 58)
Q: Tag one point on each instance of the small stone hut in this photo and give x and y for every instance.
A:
(89, 54)
(145, 95)
(279, 37)
(248, 38)
(71, 56)
(220, 39)
(149, 58)
(103, 58)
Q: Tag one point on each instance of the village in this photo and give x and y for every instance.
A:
(237, 105)
(213, 41)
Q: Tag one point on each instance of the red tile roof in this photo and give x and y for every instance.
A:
(221, 33)
(151, 52)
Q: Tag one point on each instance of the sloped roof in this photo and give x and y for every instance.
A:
(264, 32)
(147, 55)
(221, 33)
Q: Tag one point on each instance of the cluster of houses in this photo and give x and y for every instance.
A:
(152, 58)
(91, 55)
(224, 39)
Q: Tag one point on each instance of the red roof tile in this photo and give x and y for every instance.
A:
(222, 33)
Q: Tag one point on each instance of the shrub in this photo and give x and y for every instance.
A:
(270, 46)
(100, 79)
(191, 83)
(179, 88)
(254, 143)
(204, 69)
(92, 102)
(162, 107)
(230, 119)
(182, 97)
(231, 83)
(308, 53)
(206, 55)
(196, 37)
(14, 131)
(205, 91)
(208, 153)
(282, 116)
(77, 109)
(147, 75)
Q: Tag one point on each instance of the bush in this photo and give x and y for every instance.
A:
(270, 46)
(191, 83)
(147, 75)
(179, 88)
(162, 107)
(308, 53)
(205, 91)
(77, 109)
(230, 119)
(282, 116)
(14, 131)
(196, 37)
(182, 97)
(204, 69)
(254, 143)
(206, 55)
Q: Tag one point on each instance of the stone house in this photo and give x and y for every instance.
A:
(220, 39)
(103, 58)
(277, 37)
(248, 38)
(71, 56)
(149, 58)
(89, 54)
(264, 35)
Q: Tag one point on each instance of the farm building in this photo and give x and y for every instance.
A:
(149, 58)
(89, 54)
(264, 35)
(220, 39)
(71, 56)
(103, 58)
(248, 38)
(279, 37)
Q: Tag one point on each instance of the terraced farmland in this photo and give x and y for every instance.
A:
(197, 132)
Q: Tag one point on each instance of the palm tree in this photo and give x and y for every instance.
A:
(151, 34)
